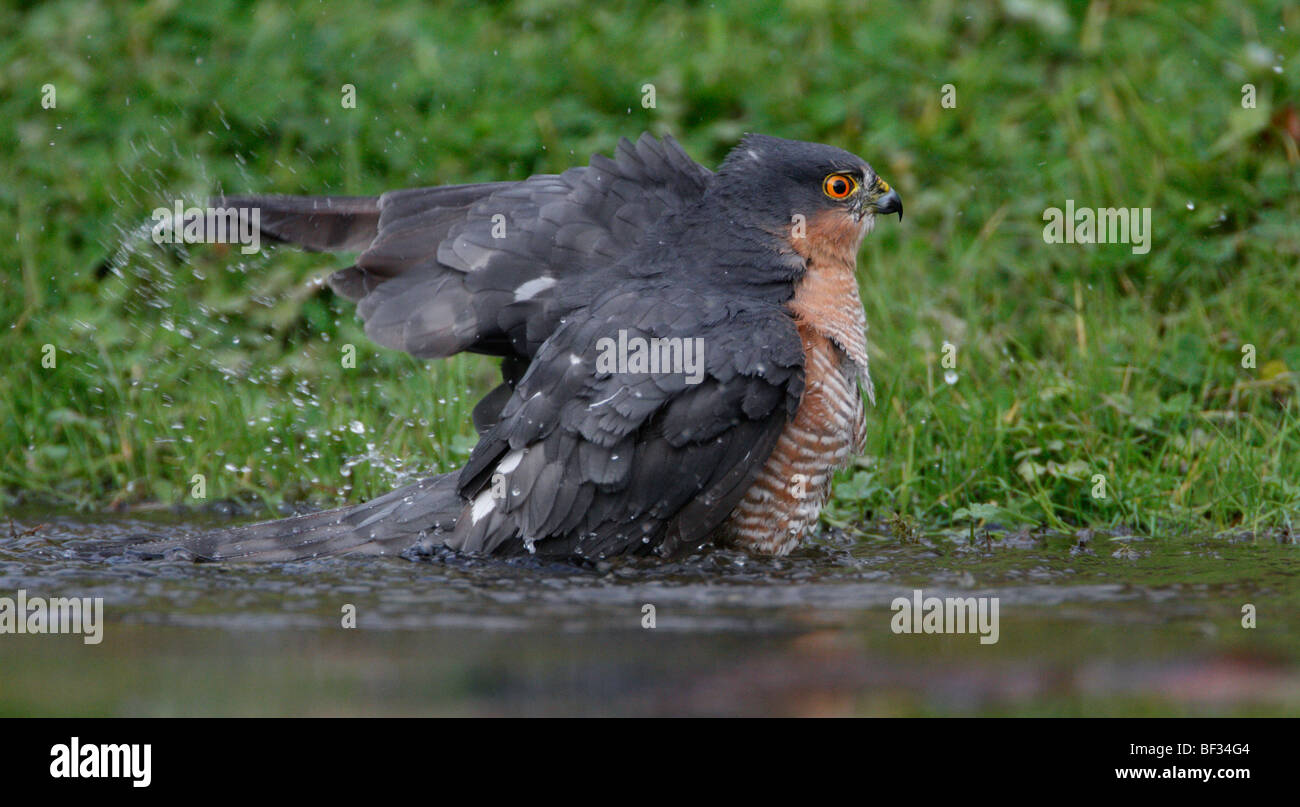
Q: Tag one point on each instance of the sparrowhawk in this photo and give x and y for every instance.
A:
(584, 454)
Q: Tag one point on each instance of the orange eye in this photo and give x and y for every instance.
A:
(839, 186)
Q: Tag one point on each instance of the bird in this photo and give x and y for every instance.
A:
(683, 351)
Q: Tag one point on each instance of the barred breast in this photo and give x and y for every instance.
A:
(830, 426)
(787, 496)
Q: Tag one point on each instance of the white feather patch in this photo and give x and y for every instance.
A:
(532, 288)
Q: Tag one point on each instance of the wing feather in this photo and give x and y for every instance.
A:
(604, 462)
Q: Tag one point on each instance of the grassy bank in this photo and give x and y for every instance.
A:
(1072, 362)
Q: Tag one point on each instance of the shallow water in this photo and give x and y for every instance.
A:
(1110, 624)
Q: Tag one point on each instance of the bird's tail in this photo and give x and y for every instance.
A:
(411, 517)
(316, 223)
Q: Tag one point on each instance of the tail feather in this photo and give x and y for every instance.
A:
(317, 223)
(414, 515)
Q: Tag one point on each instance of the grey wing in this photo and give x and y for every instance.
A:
(473, 267)
(591, 463)
(440, 279)
(478, 267)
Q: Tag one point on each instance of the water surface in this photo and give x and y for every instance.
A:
(1089, 624)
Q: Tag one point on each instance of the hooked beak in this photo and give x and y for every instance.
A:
(889, 203)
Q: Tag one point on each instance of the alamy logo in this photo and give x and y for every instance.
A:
(1105, 225)
(948, 615)
(84, 615)
(92, 761)
(212, 225)
(668, 354)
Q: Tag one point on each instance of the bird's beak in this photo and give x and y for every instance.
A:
(889, 203)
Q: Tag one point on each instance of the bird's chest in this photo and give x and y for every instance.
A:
(828, 428)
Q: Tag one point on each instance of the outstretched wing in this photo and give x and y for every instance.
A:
(590, 459)
(472, 267)
(478, 267)
(442, 279)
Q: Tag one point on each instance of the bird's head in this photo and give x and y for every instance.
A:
(782, 184)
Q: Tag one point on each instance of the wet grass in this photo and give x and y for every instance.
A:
(1071, 361)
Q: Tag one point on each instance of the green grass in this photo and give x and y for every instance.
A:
(1072, 361)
